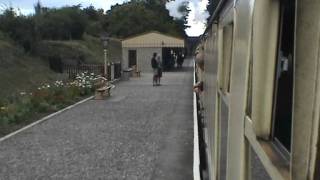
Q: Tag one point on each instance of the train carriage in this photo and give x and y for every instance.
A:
(261, 98)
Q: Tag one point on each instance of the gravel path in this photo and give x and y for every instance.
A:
(140, 133)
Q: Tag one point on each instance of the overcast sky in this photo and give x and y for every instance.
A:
(26, 7)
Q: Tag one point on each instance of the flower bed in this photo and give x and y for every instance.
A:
(23, 108)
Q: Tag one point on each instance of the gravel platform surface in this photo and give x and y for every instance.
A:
(140, 133)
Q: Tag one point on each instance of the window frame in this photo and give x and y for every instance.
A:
(258, 124)
(276, 141)
(226, 19)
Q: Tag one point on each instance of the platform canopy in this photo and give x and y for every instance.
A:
(153, 39)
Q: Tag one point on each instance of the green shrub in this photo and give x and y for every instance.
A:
(43, 107)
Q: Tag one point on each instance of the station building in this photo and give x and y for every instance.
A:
(138, 50)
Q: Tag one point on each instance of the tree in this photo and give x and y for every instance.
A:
(19, 28)
(95, 17)
(138, 16)
(92, 13)
(38, 8)
(184, 10)
(62, 24)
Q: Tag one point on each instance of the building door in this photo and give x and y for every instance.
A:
(132, 58)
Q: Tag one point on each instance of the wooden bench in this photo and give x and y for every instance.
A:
(102, 93)
(103, 88)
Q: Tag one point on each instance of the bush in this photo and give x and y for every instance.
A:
(16, 111)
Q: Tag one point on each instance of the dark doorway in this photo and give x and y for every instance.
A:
(132, 58)
(283, 96)
(168, 58)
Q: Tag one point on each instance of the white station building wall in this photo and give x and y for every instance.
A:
(145, 45)
(144, 56)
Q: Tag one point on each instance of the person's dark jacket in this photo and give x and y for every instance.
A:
(154, 63)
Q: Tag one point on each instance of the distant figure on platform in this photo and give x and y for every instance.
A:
(180, 60)
(154, 65)
(159, 70)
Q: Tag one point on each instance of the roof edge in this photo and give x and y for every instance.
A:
(148, 32)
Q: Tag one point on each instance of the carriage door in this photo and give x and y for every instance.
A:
(132, 58)
(283, 94)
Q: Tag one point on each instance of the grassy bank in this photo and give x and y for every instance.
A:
(89, 50)
(19, 71)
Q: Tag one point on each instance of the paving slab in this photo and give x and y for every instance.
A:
(140, 133)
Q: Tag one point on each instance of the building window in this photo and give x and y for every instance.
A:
(132, 58)
(283, 92)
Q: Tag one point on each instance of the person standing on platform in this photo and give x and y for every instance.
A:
(159, 70)
(154, 65)
(180, 60)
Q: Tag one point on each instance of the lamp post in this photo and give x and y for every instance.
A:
(162, 52)
(105, 41)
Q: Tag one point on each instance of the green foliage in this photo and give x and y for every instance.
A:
(72, 22)
(93, 14)
(94, 28)
(47, 24)
(62, 24)
(19, 28)
(136, 17)
(95, 21)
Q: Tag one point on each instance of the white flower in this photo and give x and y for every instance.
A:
(3, 108)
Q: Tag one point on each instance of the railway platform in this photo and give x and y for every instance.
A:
(140, 133)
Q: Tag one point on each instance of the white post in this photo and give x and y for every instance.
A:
(105, 64)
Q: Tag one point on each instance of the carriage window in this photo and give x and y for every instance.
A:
(283, 93)
(226, 57)
(249, 85)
